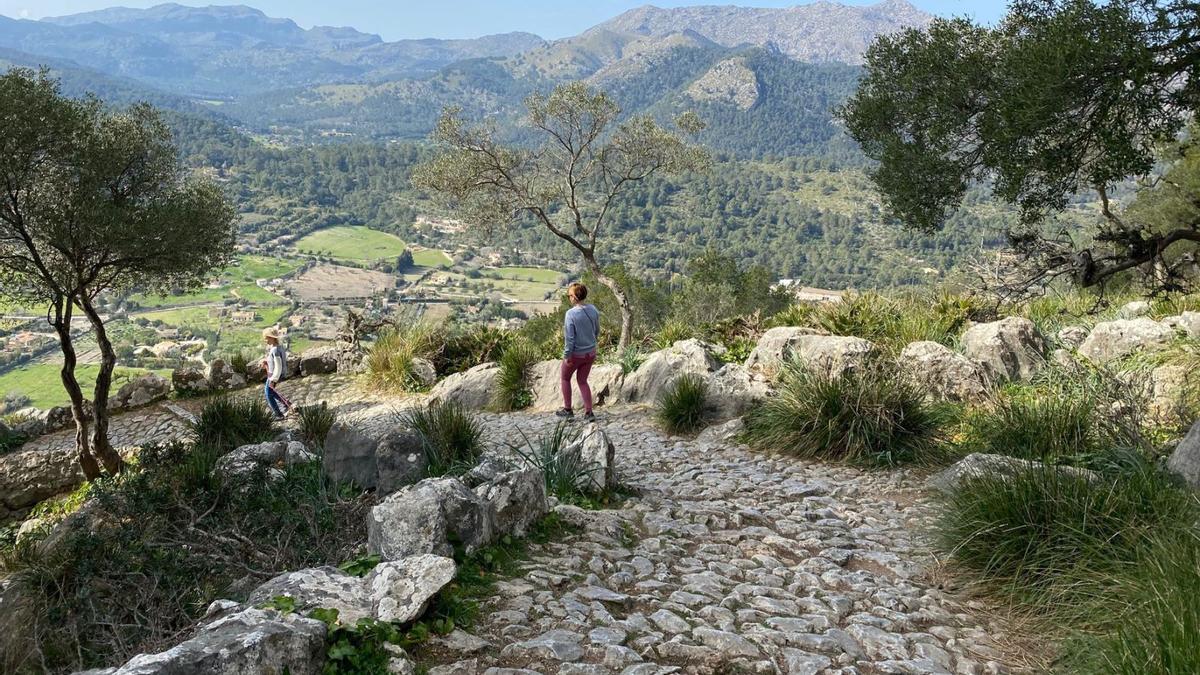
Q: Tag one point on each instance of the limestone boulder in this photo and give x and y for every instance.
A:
(62, 417)
(516, 500)
(472, 389)
(1185, 458)
(373, 449)
(318, 361)
(1072, 336)
(978, 465)
(1008, 349)
(1112, 340)
(831, 355)
(392, 591)
(190, 380)
(942, 373)
(31, 476)
(1187, 323)
(426, 517)
(1134, 310)
(775, 347)
(732, 392)
(248, 459)
(246, 642)
(142, 390)
(424, 371)
(29, 422)
(221, 375)
(645, 384)
(1166, 392)
(605, 381)
(722, 434)
(596, 456)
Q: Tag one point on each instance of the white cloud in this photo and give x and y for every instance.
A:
(24, 14)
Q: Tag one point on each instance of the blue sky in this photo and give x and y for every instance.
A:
(461, 18)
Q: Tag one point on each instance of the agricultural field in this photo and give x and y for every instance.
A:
(534, 274)
(431, 257)
(240, 281)
(41, 383)
(352, 243)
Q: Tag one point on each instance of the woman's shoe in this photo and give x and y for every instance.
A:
(565, 413)
(589, 417)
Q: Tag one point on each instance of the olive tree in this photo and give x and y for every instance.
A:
(569, 182)
(94, 203)
(1061, 98)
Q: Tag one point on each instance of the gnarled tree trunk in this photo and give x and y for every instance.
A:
(622, 301)
(62, 326)
(108, 361)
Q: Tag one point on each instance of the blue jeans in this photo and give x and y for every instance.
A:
(273, 400)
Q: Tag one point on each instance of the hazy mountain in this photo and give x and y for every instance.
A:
(228, 51)
(765, 79)
(817, 32)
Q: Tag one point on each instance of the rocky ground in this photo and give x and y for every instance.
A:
(729, 561)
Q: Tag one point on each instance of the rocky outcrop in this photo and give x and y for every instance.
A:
(435, 514)
(318, 361)
(1134, 310)
(595, 455)
(605, 381)
(30, 476)
(1072, 336)
(142, 390)
(732, 392)
(1112, 340)
(1187, 323)
(662, 367)
(222, 377)
(979, 465)
(1008, 349)
(426, 518)
(1185, 458)
(190, 381)
(943, 373)
(248, 459)
(62, 417)
(472, 389)
(831, 355)
(730, 81)
(424, 372)
(374, 450)
(397, 590)
(246, 641)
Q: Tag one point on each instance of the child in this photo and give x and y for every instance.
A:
(581, 334)
(276, 371)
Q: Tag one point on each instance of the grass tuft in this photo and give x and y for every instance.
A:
(315, 422)
(451, 437)
(389, 363)
(512, 382)
(229, 422)
(870, 416)
(680, 408)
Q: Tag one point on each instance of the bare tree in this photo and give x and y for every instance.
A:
(570, 182)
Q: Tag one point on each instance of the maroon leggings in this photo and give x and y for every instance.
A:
(579, 365)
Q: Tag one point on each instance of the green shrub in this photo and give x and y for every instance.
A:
(511, 390)
(228, 422)
(451, 437)
(1156, 617)
(564, 473)
(630, 359)
(1054, 538)
(240, 363)
(871, 416)
(674, 331)
(315, 422)
(1063, 417)
(389, 362)
(168, 546)
(680, 408)
(10, 440)
(468, 347)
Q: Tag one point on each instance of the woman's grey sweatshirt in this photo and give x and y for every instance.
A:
(581, 329)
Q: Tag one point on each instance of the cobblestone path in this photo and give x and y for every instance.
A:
(730, 562)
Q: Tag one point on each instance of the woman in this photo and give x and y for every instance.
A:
(276, 371)
(581, 333)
